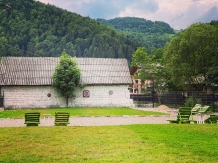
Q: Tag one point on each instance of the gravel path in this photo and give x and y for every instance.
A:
(102, 121)
(97, 121)
(93, 121)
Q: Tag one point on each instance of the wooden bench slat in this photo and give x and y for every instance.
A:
(183, 116)
(62, 118)
(32, 119)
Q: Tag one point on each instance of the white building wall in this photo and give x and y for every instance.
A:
(18, 97)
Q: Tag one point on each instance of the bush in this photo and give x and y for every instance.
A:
(191, 101)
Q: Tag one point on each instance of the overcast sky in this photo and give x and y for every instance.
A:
(178, 13)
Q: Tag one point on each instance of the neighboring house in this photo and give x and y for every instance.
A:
(141, 86)
(138, 85)
(25, 82)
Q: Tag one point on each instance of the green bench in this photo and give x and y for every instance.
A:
(183, 116)
(62, 118)
(195, 109)
(212, 119)
(32, 119)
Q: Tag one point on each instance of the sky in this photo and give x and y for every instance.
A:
(179, 14)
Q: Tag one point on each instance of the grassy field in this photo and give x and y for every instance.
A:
(127, 144)
(80, 112)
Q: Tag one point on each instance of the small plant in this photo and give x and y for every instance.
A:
(191, 101)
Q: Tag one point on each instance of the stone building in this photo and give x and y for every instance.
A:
(26, 82)
(139, 86)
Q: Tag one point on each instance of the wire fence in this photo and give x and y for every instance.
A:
(177, 99)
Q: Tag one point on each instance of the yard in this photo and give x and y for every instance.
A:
(127, 143)
(80, 112)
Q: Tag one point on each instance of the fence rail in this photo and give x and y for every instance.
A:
(177, 99)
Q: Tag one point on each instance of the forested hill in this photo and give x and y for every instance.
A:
(150, 34)
(31, 28)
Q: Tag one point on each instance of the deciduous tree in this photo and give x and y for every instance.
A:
(192, 55)
(66, 76)
(149, 67)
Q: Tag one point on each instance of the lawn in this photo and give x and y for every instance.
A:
(81, 112)
(127, 143)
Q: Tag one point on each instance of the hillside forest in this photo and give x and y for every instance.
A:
(31, 28)
(152, 35)
(187, 62)
(38, 29)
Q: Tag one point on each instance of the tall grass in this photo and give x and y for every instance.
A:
(132, 144)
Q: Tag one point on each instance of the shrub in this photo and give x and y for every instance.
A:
(191, 101)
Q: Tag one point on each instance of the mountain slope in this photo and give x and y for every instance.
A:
(31, 28)
(150, 34)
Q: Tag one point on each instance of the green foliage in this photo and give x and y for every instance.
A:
(158, 55)
(149, 67)
(66, 76)
(213, 74)
(152, 35)
(191, 101)
(142, 60)
(214, 22)
(191, 58)
(31, 28)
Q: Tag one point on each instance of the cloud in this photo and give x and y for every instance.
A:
(179, 14)
(196, 12)
(107, 9)
(148, 6)
(98, 9)
(111, 9)
(177, 17)
(211, 14)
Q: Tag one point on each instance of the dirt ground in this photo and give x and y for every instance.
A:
(162, 108)
(165, 109)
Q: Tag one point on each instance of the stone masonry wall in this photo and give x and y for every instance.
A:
(18, 97)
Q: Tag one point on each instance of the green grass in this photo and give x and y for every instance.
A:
(132, 144)
(80, 112)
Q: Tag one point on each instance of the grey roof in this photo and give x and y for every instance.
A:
(39, 70)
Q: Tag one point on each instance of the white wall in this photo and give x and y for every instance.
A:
(18, 97)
